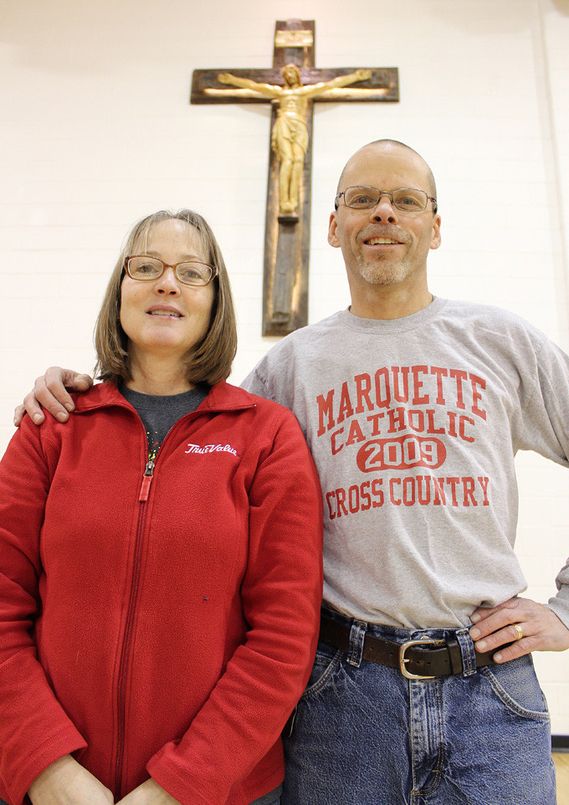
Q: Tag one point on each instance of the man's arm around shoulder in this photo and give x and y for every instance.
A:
(50, 392)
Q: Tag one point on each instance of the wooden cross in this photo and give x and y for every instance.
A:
(292, 85)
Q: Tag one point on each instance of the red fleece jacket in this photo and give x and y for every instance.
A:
(164, 624)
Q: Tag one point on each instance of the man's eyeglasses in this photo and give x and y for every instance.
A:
(190, 272)
(406, 199)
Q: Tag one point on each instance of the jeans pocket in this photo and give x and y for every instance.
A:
(516, 685)
(326, 663)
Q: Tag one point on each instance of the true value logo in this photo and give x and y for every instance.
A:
(210, 448)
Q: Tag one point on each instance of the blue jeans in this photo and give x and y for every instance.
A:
(365, 735)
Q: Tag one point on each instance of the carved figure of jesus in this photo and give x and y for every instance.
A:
(289, 137)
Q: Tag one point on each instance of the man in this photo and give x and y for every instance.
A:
(423, 689)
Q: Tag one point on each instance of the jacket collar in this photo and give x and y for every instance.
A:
(222, 397)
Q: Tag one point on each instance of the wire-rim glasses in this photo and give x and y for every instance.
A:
(406, 199)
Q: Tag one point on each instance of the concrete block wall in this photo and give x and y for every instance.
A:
(96, 131)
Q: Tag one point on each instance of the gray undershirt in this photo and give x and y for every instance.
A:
(160, 413)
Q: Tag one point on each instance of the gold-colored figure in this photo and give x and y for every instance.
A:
(289, 137)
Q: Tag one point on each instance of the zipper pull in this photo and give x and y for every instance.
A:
(146, 481)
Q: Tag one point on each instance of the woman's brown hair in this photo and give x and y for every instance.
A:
(210, 359)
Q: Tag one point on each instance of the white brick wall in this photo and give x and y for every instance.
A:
(96, 130)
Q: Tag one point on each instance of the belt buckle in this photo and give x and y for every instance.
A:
(403, 659)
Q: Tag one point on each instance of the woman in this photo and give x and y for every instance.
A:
(160, 583)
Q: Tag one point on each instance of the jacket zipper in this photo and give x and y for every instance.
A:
(143, 494)
(146, 481)
(124, 660)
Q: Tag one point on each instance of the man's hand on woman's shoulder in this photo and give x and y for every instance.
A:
(50, 392)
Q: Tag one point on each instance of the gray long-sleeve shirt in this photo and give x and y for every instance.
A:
(414, 424)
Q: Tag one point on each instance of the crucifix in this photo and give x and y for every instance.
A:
(291, 86)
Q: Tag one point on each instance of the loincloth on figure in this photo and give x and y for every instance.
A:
(289, 128)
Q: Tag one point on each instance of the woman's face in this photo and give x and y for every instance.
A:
(164, 317)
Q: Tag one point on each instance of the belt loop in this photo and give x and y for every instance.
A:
(467, 651)
(356, 647)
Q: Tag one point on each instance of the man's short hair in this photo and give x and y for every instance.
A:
(386, 141)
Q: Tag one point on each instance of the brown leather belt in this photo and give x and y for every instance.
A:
(416, 659)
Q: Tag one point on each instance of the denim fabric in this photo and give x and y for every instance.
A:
(365, 735)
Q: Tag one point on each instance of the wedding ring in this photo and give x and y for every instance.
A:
(518, 630)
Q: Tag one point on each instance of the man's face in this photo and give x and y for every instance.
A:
(384, 246)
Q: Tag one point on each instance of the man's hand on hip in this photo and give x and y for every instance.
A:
(524, 623)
